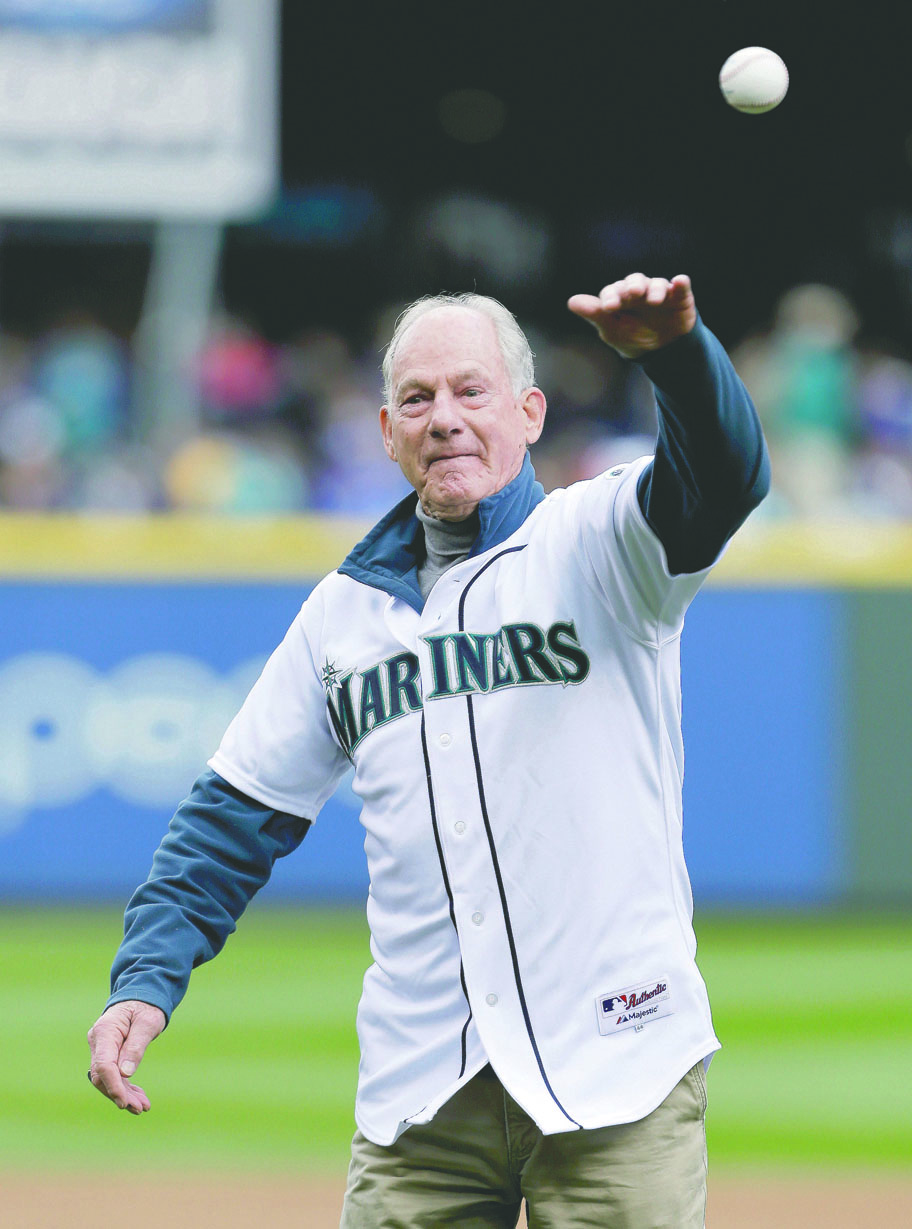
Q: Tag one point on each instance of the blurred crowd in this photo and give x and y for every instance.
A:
(283, 428)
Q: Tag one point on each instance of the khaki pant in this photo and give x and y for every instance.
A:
(481, 1156)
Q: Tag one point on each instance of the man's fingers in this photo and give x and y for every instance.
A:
(585, 305)
(631, 290)
(105, 1041)
(641, 302)
(634, 286)
(136, 1100)
(110, 1083)
(125, 1096)
(108, 1080)
(611, 297)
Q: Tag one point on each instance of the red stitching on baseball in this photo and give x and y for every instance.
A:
(733, 72)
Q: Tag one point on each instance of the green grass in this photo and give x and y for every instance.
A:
(815, 1018)
(258, 1068)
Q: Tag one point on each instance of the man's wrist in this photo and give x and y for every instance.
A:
(675, 350)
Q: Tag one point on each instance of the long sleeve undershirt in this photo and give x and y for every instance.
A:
(711, 467)
(218, 852)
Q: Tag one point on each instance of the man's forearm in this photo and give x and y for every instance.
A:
(218, 852)
(711, 466)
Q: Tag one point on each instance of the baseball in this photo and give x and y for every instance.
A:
(754, 80)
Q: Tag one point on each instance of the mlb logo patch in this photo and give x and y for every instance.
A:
(633, 1007)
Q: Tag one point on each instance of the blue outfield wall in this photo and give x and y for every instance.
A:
(112, 695)
(765, 762)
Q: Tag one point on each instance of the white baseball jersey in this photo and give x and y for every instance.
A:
(517, 750)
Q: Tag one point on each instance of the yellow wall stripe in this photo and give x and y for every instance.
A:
(851, 554)
(172, 547)
(180, 547)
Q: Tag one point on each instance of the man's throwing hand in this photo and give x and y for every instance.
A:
(118, 1040)
(639, 314)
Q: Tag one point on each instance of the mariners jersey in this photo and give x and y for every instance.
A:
(517, 750)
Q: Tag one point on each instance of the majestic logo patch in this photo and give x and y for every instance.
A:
(633, 1007)
(462, 663)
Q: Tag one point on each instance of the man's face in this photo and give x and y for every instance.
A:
(453, 423)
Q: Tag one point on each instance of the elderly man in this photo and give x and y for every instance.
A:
(502, 670)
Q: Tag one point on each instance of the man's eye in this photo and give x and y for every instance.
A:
(472, 392)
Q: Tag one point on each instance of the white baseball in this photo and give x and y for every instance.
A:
(754, 80)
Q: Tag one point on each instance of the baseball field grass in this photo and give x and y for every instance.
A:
(257, 1070)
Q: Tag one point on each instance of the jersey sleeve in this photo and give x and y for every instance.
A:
(280, 748)
(623, 558)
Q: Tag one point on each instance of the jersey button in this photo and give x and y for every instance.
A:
(445, 740)
(491, 1000)
(477, 918)
(459, 826)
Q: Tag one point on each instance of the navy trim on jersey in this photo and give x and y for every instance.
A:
(446, 884)
(479, 776)
(389, 556)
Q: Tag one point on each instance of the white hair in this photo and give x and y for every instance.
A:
(514, 345)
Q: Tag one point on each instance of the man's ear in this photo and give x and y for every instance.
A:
(534, 407)
(386, 426)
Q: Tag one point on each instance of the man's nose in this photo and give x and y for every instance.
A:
(445, 416)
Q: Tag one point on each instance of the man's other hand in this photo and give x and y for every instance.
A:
(118, 1041)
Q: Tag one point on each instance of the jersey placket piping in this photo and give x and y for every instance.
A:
(479, 777)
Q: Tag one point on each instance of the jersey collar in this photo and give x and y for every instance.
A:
(388, 557)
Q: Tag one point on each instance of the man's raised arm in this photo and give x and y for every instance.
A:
(711, 467)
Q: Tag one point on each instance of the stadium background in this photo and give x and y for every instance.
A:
(168, 499)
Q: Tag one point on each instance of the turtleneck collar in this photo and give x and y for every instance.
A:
(389, 556)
